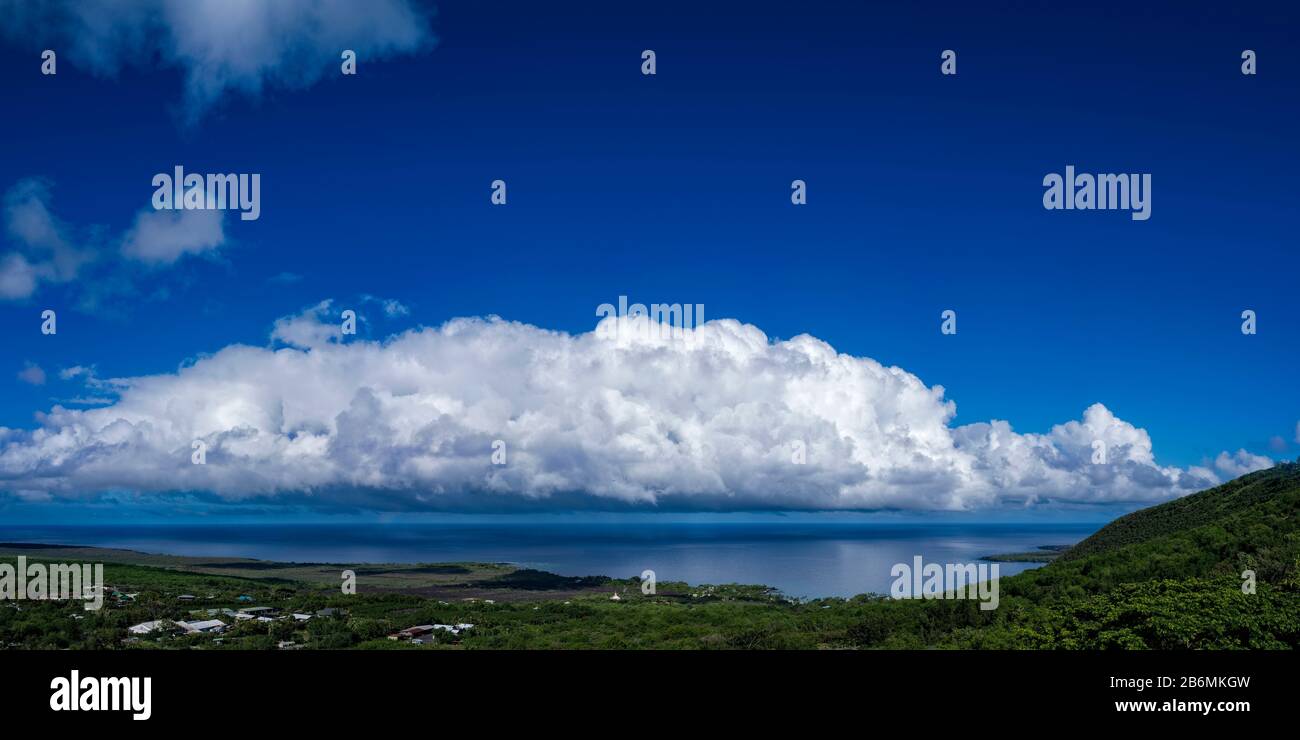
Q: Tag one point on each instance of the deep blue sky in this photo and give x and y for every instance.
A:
(924, 194)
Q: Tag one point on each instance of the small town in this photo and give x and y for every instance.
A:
(217, 622)
(145, 610)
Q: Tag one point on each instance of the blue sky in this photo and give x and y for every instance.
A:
(924, 194)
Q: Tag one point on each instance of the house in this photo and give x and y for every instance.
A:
(454, 629)
(418, 630)
(205, 626)
(186, 597)
(328, 611)
(256, 611)
(259, 616)
(245, 598)
(301, 617)
(145, 628)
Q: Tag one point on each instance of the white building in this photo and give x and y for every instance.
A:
(207, 625)
(145, 628)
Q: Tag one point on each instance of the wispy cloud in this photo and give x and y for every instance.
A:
(46, 248)
(49, 251)
(392, 307)
(222, 46)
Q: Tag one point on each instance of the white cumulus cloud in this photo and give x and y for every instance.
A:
(1240, 462)
(712, 420)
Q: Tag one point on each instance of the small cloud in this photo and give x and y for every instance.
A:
(392, 307)
(86, 401)
(47, 250)
(1240, 463)
(1277, 444)
(92, 382)
(1297, 432)
(68, 373)
(285, 278)
(17, 277)
(309, 328)
(32, 373)
(162, 237)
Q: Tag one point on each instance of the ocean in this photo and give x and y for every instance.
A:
(800, 559)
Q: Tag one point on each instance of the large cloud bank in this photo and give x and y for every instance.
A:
(720, 418)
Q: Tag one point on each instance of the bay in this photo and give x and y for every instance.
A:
(805, 560)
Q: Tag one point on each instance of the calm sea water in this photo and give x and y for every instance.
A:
(804, 560)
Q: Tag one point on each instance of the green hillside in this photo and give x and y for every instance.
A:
(1252, 523)
(1267, 497)
(1168, 577)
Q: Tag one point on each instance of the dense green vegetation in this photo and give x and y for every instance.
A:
(1168, 577)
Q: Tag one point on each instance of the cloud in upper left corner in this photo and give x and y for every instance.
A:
(41, 249)
(222, 46)
(48, 249)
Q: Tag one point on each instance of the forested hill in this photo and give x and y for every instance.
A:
(1217, 569)
(1263, 500)
(1251, 523)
